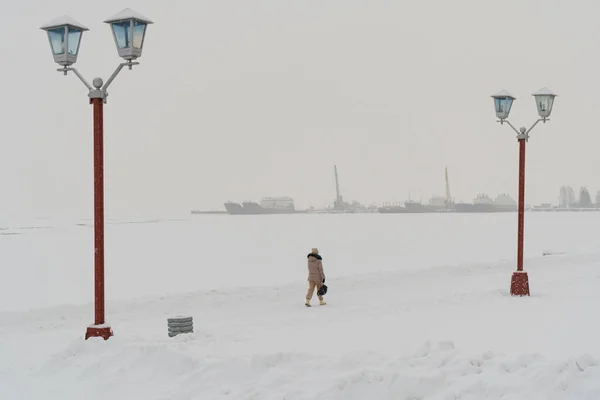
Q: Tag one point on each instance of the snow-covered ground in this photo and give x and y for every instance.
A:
(418, 308)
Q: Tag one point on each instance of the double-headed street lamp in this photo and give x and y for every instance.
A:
(544, 100)
(64, 33)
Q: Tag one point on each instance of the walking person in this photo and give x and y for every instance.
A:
(316, 276)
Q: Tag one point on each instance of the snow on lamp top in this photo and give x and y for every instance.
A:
(64, 34)
(544, 100)
(129, 30)
(502, 104)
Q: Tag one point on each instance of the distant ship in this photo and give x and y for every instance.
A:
(436, 204)
(340, 206)
(392, 208)
(268, 205)
(410, 207)
(504, 202)
(485, 204)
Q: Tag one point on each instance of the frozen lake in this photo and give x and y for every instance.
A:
(418, 308)
(50, 262)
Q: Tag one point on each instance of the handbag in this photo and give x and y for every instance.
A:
(322, 290)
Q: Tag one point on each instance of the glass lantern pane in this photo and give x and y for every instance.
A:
(122, 34)
(57, 40)
(138, 34)
(499, 105)
(74, 37)
(507, 104)
(544, 103)
(503, 104)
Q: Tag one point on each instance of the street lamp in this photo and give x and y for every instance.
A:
(544, 100)
(64, 34)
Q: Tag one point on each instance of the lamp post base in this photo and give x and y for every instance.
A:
(519, 284)
(103, 331)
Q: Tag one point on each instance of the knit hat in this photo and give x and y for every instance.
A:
(315, 251)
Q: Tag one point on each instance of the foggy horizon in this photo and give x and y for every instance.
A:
(238, 101)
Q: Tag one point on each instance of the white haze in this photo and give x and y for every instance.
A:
(235, 100)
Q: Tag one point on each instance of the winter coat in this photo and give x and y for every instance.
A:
(315, 268)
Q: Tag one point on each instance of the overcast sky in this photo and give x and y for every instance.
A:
(236, 100)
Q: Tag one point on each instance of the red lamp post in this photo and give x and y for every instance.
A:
(64, 34)
(519, 285)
